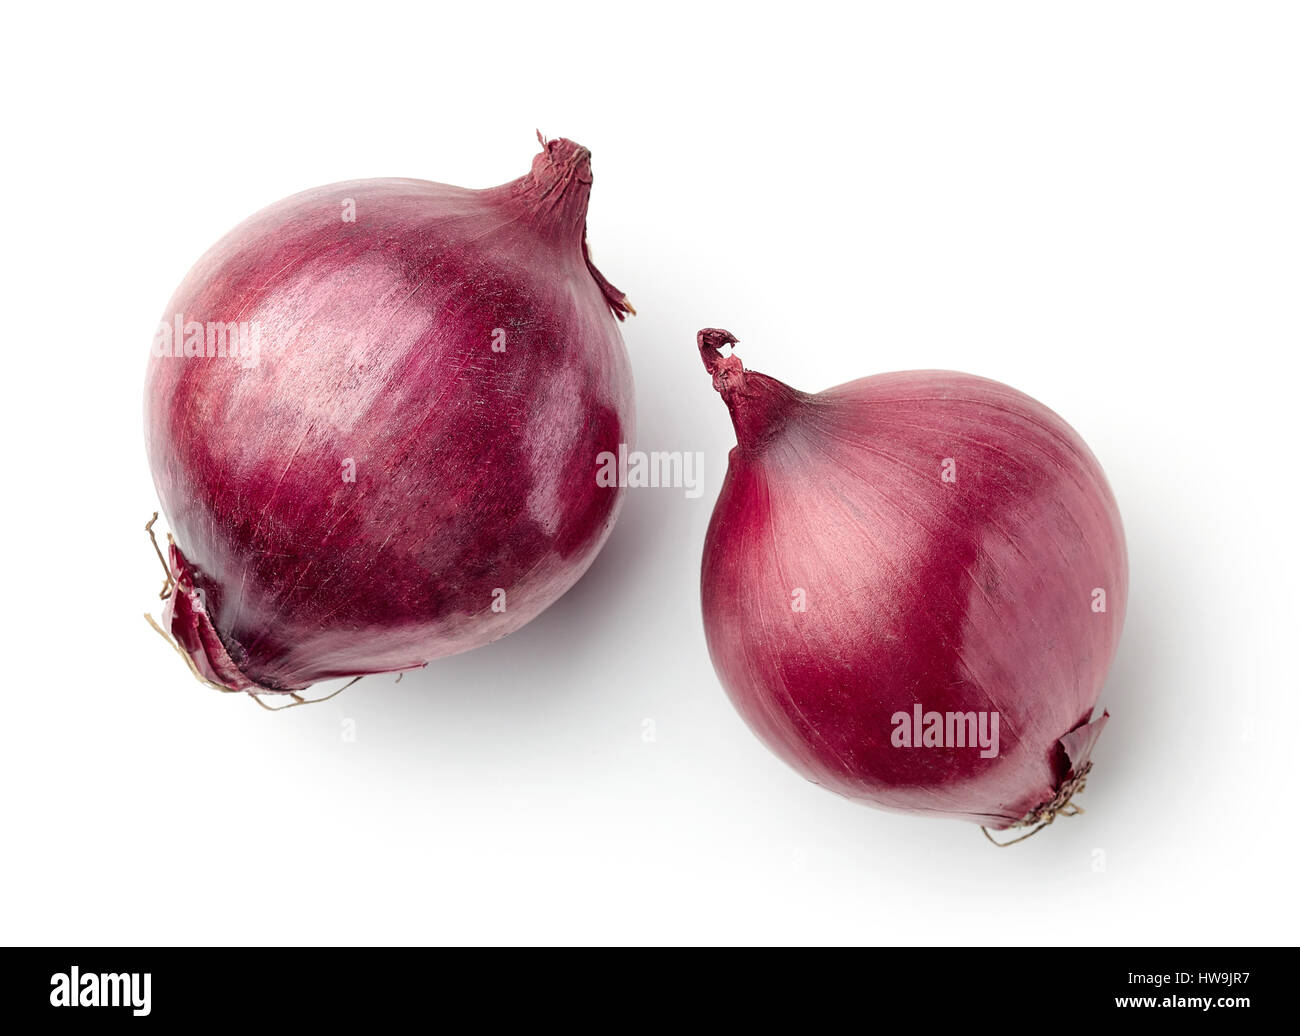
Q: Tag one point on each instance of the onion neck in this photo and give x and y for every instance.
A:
(552, 197)
(552, 201)
(760, 406)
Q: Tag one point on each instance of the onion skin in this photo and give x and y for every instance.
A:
(968, 595)
(474, 469)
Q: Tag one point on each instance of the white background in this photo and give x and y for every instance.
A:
(1096, 203)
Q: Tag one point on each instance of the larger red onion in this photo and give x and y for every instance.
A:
(398, 463)
(908, 546)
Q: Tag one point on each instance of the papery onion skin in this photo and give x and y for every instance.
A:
(472, 467)
(977, 594)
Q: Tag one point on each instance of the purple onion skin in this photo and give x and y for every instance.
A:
(474, 469)
(966, 595)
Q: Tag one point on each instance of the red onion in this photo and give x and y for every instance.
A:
(913, 586)
(396, 463)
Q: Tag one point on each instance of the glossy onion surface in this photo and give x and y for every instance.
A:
(399, 463)
(923, 538)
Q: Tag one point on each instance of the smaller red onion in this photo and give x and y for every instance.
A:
(906, 547)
